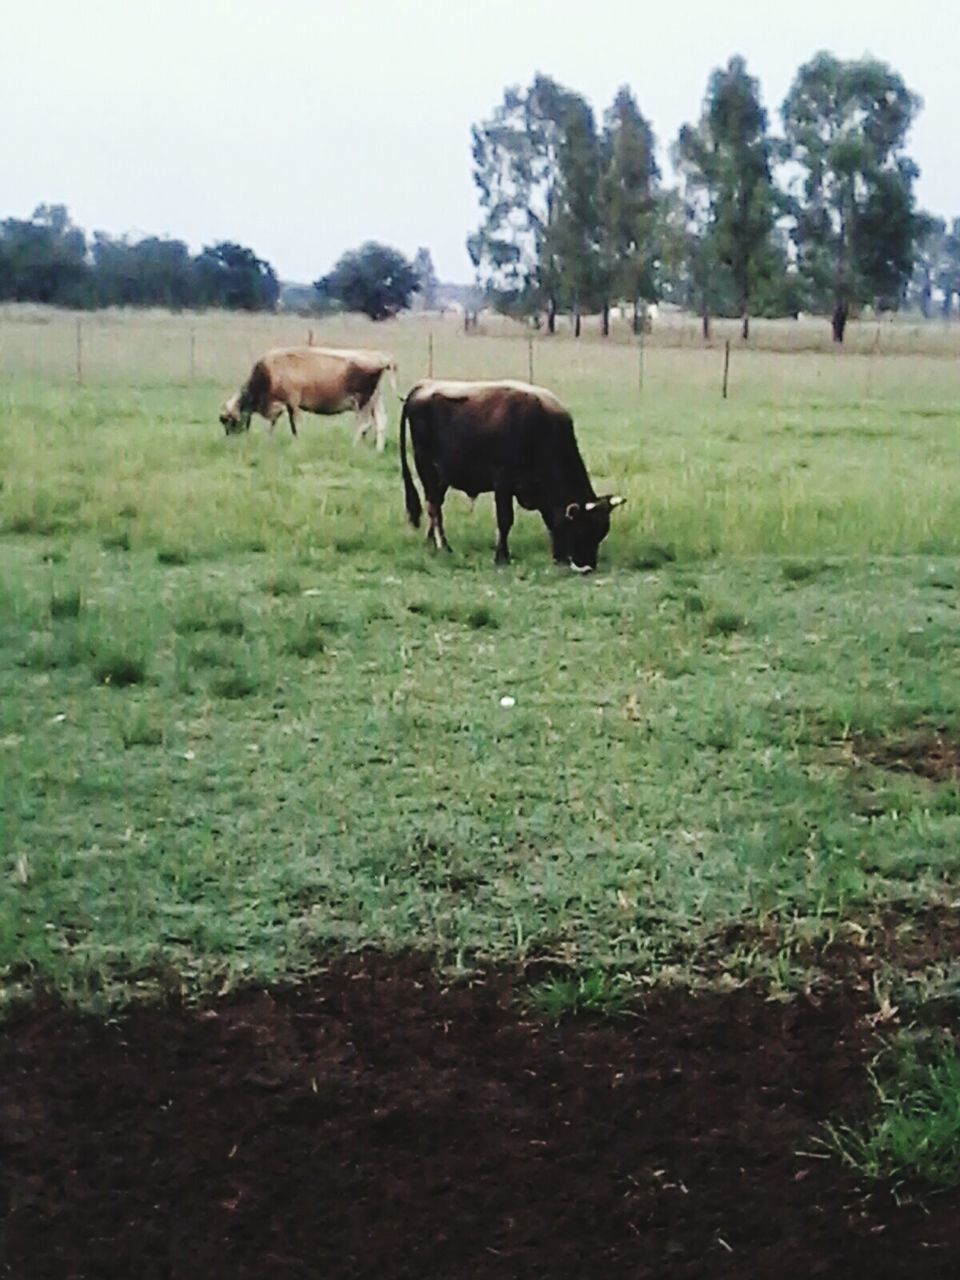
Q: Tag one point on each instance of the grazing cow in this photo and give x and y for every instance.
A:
(510, 438)
(323, 380)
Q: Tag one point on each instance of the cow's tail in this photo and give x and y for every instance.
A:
(414, 508)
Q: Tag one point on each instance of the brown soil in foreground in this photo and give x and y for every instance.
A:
(377, 1123)
(927, 753)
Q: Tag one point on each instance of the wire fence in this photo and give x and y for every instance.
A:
(160, 348)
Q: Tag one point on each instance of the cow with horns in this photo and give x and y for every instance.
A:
(514, 440)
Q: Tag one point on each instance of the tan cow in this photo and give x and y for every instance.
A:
(324, 380)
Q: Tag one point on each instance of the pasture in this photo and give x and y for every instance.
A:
(250, 723)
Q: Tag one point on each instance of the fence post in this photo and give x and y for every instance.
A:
(193, 354)
(430, 354)
(726, 366)
(530, 357)
(309, 337)
(79, 352)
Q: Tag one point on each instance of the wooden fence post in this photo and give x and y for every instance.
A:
(726, 367)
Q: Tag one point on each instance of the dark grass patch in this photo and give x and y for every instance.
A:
(172, 556)
(234, 685)
(798, 571)
(119, 669)
(927, 753)
(65, 605)
(651, 555)
(693, 603)
(210, 616)
(41, 523)
(56, 555)
(282, 584)
(54, 652)
(475, 616)
(675, 1139)
(208, 652)
(307, 641)
(117, 541)
(725, 622)
(141, 729)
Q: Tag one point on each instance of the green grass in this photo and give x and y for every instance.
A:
(269, 722)
(594, 993)
(912, 1141)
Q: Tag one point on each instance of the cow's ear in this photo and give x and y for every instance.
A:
(572, 511)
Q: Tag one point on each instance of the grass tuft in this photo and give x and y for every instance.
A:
(118, 541)
(141, 728)
(66, 605)
(595, 992)
(119, 669)
(724, 622)
(652, 555)
(172, 556)
(913, 1140)
(234, 684)
(283, 584)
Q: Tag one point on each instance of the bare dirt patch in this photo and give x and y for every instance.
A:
(379, 1123)
(926, 753)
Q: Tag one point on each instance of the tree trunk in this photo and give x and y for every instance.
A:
(839, 321)
(551, 315)
(745, 330)
(576, 320)
(605, 319)
(705, 318)
(636, 317)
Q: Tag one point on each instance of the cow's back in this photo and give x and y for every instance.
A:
(481, 433)
(324, 380)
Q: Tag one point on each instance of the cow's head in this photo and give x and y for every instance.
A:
(580, 530)
(231, 419)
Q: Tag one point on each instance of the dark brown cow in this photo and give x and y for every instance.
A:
(511, 439)
(323, 380)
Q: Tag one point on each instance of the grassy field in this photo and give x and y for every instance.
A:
(245, 715)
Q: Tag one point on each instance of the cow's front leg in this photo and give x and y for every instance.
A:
(380, 422)
(504, 501)
(292, 415)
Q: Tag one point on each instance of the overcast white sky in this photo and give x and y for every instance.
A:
(303, 127)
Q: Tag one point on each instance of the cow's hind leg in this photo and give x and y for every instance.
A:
(292, 415)
(504, 502)
(435, 533)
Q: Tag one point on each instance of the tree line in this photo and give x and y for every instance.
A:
(822, 218)
(45, 258)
